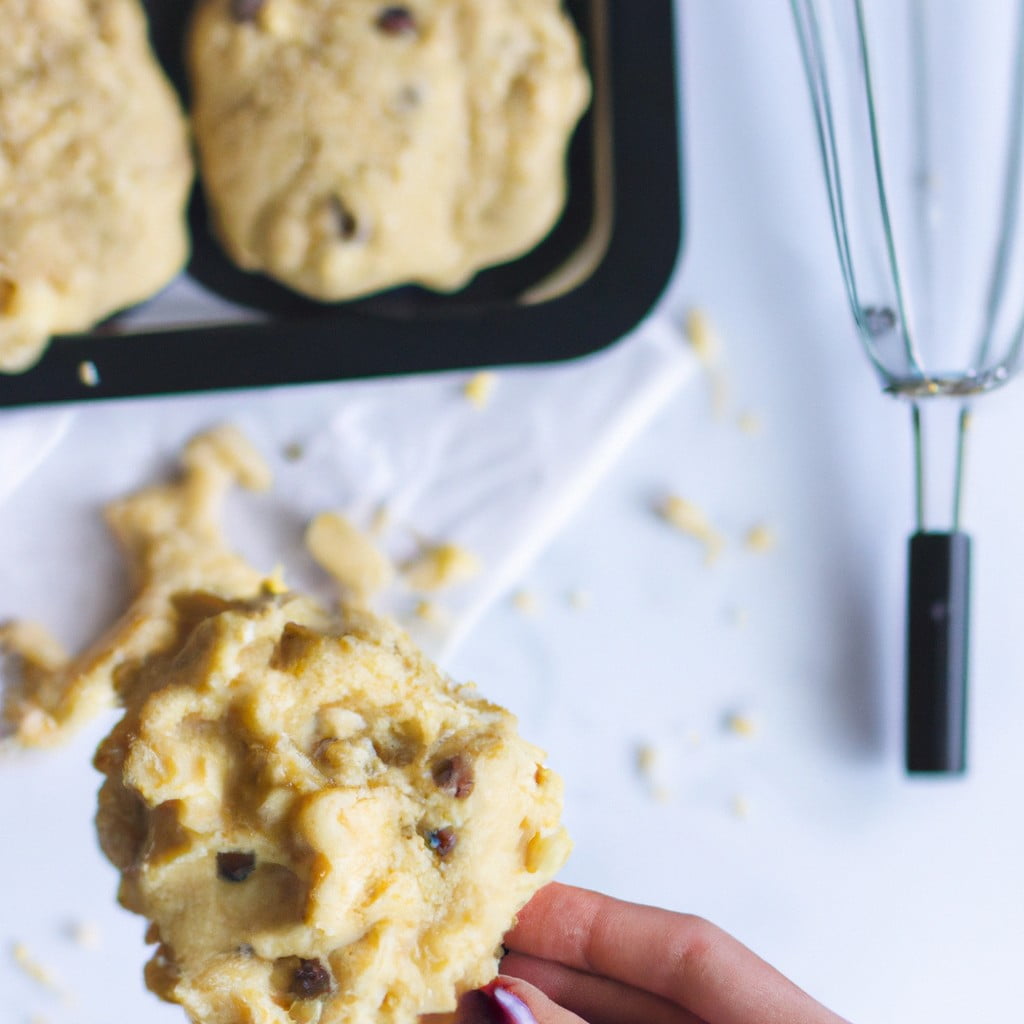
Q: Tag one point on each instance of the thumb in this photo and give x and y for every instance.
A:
(512, 1001)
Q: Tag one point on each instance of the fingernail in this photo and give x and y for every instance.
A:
(498, 1005)
(514, 1009)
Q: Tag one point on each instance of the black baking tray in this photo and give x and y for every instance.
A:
(595, 277)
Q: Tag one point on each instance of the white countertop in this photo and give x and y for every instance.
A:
(892, 900)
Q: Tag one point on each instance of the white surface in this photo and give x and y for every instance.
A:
(892, 900)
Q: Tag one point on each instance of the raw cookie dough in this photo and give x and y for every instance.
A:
(349, 145)
(320, 826)
(94, 170)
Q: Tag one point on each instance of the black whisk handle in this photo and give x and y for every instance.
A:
(937, 626)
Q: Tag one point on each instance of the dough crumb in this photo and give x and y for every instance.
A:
(579, 599)
(85, 934)
(432, 612)
(740, 724)
(479, 389)
(34, 969)
(688, 518)
(706, 344)
(526, 602)
(740, 807)
(360, 568)
(440, 566)
(760, 539)
(293, 452)
(88, 374)
(749, 422)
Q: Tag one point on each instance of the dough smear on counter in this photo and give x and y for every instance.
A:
(319, 825)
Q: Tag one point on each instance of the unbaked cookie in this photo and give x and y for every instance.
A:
(349, 145)
(95, 170)
(320, 826)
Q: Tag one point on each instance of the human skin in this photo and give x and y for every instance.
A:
(580, 957)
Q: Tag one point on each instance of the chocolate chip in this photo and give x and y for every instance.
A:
(235, 865)
(442, 841)
(396, 21)
(345, 222)
(311, 979)
(246, 10)
(454, 776)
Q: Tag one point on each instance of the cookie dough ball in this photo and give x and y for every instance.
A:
(95, 170)
(347, 146)
(320, 826)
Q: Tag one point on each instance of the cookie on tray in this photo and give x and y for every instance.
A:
(347, 146)
(320, 826)
(95, 170)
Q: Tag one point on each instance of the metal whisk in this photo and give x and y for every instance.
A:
(919, 110)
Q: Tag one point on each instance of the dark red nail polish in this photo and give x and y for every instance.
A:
(495, 1004)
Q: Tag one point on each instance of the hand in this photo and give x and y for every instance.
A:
(577, 957)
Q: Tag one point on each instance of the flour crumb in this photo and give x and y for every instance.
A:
(647, 761)
(688, 518)
(439, 566)
(88, 374)
(479, 389)
(760, 539)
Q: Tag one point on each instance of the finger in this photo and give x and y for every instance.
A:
(596, 1000)
(511, 1001)
(682, 958)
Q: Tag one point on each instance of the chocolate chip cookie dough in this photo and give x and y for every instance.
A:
(350, 145)
(318, 824)
(94, 170)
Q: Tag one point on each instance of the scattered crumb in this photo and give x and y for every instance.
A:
(740, 806)
(740, 724)
(579, 599)
(85, 934)
(88, 374)
(274, 584)
(360, 568)
(431, 611)
(38, 1018)
(693, 738)
(646, 759)
(525, 601)
(688, 518)
(706, 344)
(760, 539)
(702, 336)
(440, 566)
(381, 520)
(33, 968)
(749, 422)
(480, 387)
(293, 452)
(736, 616)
